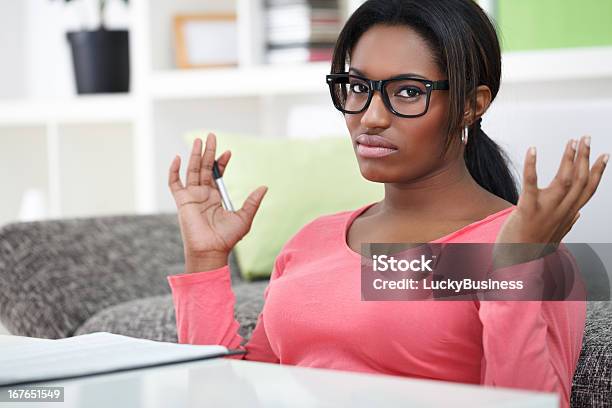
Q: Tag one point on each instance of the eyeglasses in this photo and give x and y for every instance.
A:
(404, 95)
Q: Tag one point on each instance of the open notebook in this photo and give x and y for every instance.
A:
(37, 360)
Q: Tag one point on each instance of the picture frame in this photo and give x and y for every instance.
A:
(193, 34)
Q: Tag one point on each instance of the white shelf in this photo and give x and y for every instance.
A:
(518, 67)
(235, 82)
(81, 109)
(555, 65)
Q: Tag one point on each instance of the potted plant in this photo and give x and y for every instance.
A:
(100, 57)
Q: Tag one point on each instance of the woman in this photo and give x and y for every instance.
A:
(445, 181)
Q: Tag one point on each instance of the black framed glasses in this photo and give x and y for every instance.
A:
(404, 95)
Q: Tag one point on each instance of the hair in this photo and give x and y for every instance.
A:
(466, 49)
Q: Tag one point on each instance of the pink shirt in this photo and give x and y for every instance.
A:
(313, 317)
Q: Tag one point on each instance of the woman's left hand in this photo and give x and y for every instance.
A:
(546, 215)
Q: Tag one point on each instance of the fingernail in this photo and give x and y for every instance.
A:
(587, 141)
(574, 144)
(605, 158)
(532, 150)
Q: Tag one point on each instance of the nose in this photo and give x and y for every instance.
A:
(377, 115)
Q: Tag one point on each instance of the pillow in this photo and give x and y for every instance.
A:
(306, 178)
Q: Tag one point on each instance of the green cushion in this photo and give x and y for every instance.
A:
(306, 178)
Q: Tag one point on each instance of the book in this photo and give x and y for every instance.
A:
(281, 14)
(301, 30)
(310, 3)
(35, 360)
(302, 37)
(298, 54)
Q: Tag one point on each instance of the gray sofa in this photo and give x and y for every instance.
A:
(61, 278)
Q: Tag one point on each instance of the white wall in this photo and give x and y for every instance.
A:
(22, 148)
(12, 83)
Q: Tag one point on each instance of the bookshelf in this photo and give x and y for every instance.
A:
(103, 154)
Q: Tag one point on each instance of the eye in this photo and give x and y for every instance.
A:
(409, 92)
(358, 87)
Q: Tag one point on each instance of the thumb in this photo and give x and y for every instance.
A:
(251, 205)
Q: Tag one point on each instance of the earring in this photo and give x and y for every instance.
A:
(464, 136)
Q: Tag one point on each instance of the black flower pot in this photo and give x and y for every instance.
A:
(101, 60)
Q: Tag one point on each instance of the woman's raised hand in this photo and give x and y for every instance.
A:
(208, 230)
(546, 215)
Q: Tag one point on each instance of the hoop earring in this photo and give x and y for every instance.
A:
(464, 136)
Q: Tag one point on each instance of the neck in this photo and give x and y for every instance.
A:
(446, 192)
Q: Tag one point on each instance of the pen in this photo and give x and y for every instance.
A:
(224, 195)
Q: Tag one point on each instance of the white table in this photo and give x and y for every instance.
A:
(225, 382)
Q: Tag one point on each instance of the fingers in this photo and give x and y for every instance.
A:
(222, 164)
(223, 160)
(571, 189)
(174, 179)
(564, 179)
(193, 168)
(578, 180)
(529, 194)
(206, 176)
(595, 176)
(251, 205)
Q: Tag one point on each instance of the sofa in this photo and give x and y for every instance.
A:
(60, 278)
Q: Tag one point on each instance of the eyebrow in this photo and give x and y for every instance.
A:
(358, 72)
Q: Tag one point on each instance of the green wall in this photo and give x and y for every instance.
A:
(539, 24)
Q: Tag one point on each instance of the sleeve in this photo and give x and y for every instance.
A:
(534, 344)
(204, 307)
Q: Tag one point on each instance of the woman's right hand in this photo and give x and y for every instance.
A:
(208, 230)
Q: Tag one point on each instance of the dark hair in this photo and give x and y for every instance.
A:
(466, 49)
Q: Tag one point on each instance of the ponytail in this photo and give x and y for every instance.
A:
(489, 164)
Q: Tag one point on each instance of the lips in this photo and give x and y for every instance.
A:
(375, 141)
(374, 147)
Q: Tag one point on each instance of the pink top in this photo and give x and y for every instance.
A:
(313, 317)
